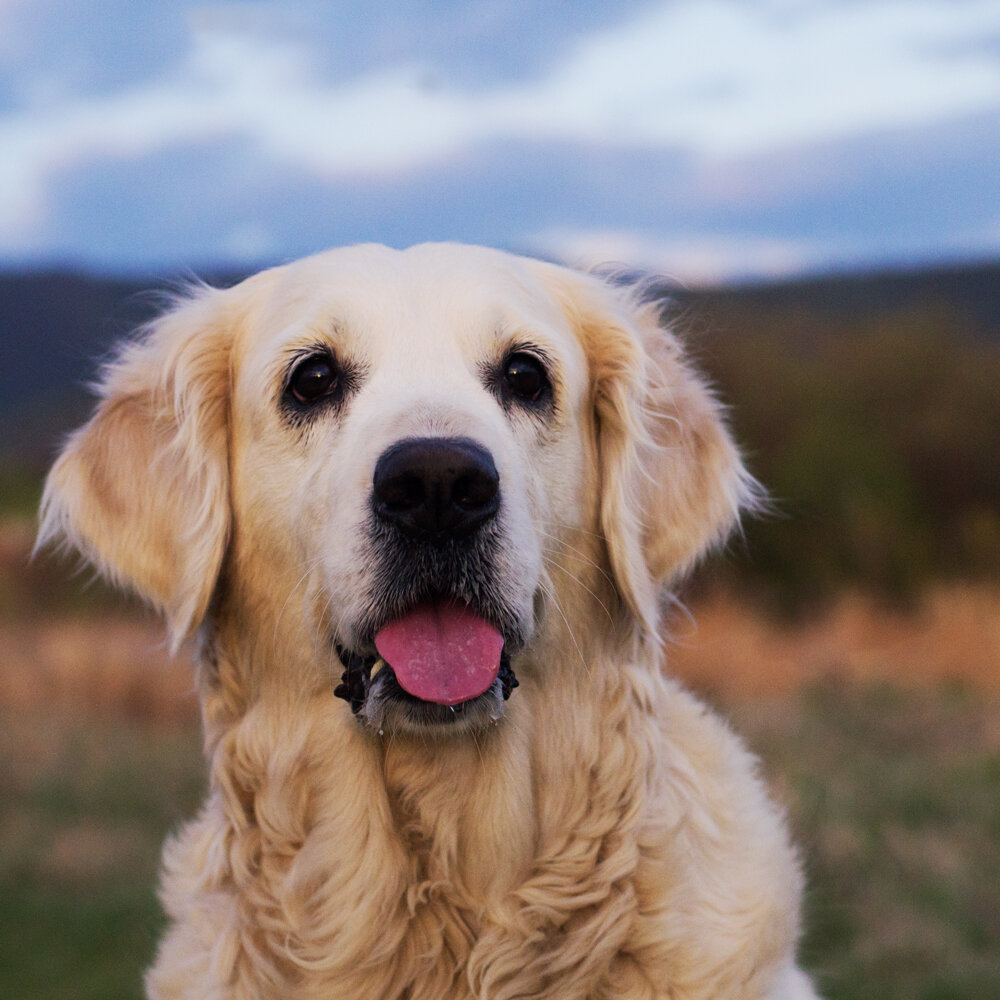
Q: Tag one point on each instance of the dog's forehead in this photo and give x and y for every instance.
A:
(379, 300)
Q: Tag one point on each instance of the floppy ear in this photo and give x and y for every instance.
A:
(672, 482)
(142, 489)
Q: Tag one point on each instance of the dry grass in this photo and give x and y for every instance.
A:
(94, 667)
(106, 664)
(68, 645)
(950, 635)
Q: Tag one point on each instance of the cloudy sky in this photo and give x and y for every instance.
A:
(707, 139)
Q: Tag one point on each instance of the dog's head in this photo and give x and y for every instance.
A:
(437, 459)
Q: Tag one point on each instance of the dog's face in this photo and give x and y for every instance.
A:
(415, 462)
(409, 436)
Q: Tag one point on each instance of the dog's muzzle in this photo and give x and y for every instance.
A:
(435, 643)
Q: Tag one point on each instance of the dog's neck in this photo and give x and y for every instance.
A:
(446, 846)
(257, 670)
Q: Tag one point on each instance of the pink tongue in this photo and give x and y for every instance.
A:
(443, 653)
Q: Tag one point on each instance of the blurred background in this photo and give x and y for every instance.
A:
(815, 184)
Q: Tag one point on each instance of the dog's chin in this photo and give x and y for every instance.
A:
(387, 709)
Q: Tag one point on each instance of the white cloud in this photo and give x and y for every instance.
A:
(693, 258)
(728, 79)
(719, 79)
(230, 86)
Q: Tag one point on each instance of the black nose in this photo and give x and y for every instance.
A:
(436, 486)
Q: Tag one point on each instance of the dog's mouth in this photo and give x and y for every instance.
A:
(437, 663)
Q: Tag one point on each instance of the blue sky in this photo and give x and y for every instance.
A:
(707, 139)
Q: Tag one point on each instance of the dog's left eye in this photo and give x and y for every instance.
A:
(313, 379)
(525, 377)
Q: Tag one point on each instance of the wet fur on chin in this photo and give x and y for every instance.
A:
(610, 837)
(387, 709)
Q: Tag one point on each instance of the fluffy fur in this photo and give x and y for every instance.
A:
(607, 837)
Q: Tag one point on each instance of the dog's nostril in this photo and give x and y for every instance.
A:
(474, 491)
(441, 486)
(402, 492)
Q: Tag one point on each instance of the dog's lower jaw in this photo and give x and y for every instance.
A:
(387, 714)
(377, 699)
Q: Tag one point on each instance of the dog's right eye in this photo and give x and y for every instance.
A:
(314, 378)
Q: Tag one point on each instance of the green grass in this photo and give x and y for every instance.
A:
(84, 811)
(893, 797)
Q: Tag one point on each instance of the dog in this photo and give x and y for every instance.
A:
(423, 510)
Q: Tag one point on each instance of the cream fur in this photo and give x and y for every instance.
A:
(608, 837)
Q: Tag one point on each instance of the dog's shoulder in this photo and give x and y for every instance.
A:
(718, 850)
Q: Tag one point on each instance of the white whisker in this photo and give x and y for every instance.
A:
(583, 555)
(579, 583)
(550, 593)
(309, 568)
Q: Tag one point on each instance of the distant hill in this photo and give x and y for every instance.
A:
(55, 327)
(968, 293)
(55, 330)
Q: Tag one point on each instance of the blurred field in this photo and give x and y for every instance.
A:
(853, 635)
(879, 728)
(86, 802)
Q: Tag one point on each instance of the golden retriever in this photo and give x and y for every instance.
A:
(422, 509)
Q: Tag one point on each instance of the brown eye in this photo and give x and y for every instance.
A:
(313, 379)
(525, 378)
